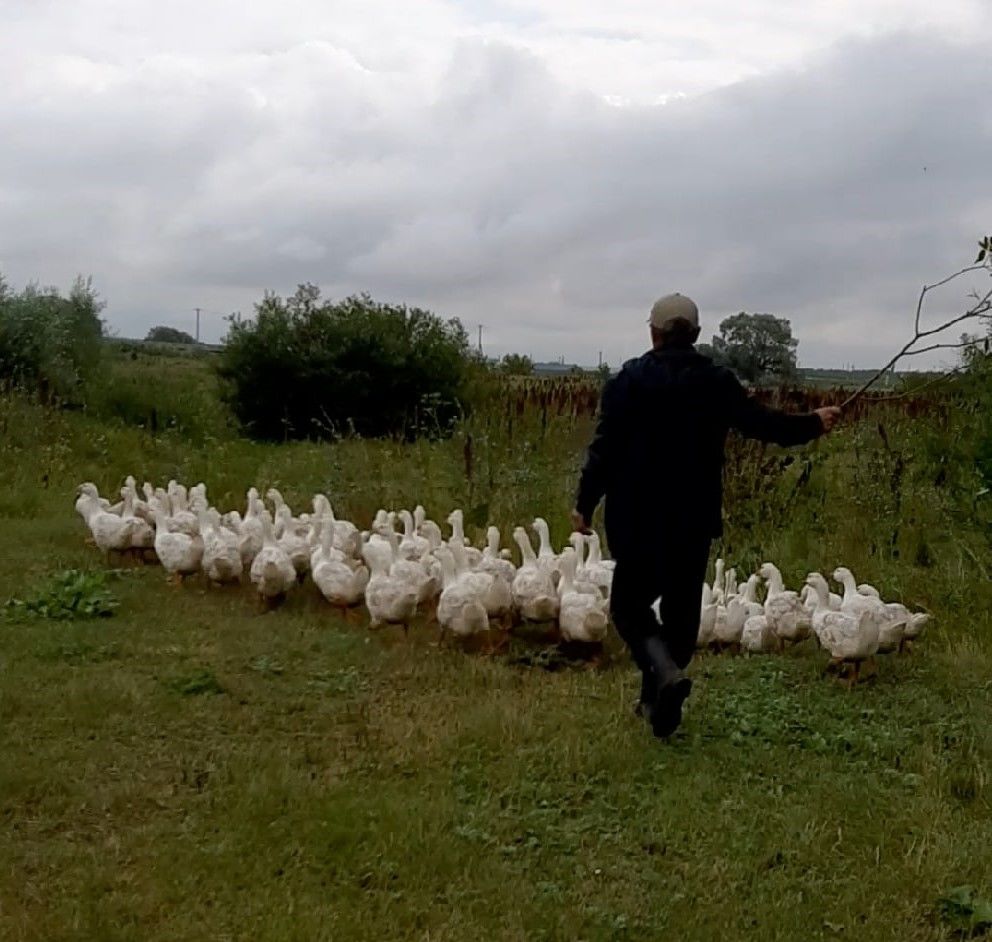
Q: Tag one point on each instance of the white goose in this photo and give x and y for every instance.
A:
(460, 609)
(728, 627)
(221, 559)
(757, 636)
(424, 579)
(347, 537)
(412, 546)
(591, 571)
(341, 582)
(493, 560)
(596, 554)
(494, 591)
(719, 583)
(583, 616)
(891, 624)
(390, 601)
(547, 558)
(789, 618)
(292, 536)
(456, 520)
(534, 592)
(272, 571)
(707, 618)
(851, 637)
(808, 596)
(179, 553)
(915, 621)
(143, 532)
(750, 596)
(180, 518)
(252, 532)
(110, 532)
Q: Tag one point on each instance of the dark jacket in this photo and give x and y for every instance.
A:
(657, 455)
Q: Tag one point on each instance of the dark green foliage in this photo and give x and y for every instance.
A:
(68, 595)
(964, 911)
(162, 334)
(516, 364)
(50, 344)
(311, 369)
(757, 347)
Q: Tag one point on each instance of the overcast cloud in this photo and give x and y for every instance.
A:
(545, 168)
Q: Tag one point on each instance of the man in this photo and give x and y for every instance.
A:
(657, 457)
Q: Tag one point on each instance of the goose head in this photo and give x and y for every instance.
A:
(568, 565)
(447, 561)
(378, 557)
(523, 541)
(432, 533)
(845, 577)
(818, 584)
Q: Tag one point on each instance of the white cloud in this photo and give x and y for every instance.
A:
(466, 157)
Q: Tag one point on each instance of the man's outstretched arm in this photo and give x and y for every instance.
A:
(754, 420)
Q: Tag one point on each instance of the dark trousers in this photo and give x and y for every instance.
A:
(674, 571)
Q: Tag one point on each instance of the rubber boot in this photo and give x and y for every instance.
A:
(672, 688)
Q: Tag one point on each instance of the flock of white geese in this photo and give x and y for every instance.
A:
(473, 593)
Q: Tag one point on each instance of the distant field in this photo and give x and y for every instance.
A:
(189, 769)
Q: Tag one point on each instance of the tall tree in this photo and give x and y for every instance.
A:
(758, 347)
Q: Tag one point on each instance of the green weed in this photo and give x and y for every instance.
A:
(195, 684)
(68, 595)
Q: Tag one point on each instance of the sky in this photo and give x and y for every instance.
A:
(543, 168)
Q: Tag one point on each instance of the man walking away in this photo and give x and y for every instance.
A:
(657, 458)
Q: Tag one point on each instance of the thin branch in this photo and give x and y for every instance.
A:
(940, 284)
(943, 346)
(982, 307)
(916, 390)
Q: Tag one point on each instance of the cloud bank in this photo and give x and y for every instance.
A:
(499, 162)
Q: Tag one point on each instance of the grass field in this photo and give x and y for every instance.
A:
(188, 769)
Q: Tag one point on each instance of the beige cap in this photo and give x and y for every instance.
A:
(672, 306)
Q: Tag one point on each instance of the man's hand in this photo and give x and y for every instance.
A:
(579, 523)
(829, 416)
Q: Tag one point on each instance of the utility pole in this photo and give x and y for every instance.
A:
(480, 337)
(601, 358)
(197, 325)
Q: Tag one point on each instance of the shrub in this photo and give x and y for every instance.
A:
(310, 369)
(50, 344)
(163, 334)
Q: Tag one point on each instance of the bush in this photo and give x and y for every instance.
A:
(50, 344)
(310, 369)
(163, 334)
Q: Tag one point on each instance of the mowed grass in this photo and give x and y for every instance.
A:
(189, 769)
